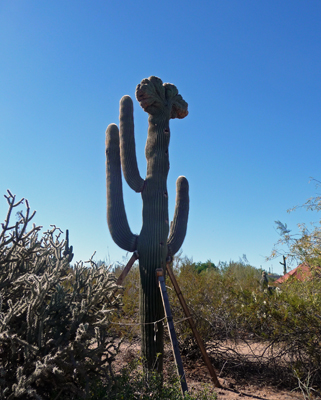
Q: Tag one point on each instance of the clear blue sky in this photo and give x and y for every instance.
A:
(249, 70)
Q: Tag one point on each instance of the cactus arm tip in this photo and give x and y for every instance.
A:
(127, 145)
(116, 214)
(179, 225)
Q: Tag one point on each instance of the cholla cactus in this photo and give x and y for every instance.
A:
(55, 335)
(156, 241)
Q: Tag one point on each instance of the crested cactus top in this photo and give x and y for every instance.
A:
(155, 96)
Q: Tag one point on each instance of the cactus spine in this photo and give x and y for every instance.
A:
(156, 241)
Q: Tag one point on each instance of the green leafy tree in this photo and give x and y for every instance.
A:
(206, 266)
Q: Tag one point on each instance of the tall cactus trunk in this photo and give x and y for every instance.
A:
(156, 241)
(153, 239)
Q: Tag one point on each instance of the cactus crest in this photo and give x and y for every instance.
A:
(154, 96)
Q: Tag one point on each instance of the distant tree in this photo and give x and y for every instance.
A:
(244, 260)
(200, 267)
(242, 272)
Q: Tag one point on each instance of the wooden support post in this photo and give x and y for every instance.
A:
(125, 271)
(193, 327)
(171, 330)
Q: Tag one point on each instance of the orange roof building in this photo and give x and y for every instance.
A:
(302, 272)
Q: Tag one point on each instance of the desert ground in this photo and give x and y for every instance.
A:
(255, 386)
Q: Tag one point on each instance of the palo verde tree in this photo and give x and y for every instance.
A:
(304, 246)
(157, 240)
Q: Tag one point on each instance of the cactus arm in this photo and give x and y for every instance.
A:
(116, 215)
(179, 225)
(127, 145)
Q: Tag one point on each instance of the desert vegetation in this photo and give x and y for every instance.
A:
(62, 325)
(54, 317)
(270, 335)
(57, 333)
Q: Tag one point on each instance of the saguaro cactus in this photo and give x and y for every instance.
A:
(156, 241)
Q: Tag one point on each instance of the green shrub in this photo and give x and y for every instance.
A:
(131, 384)
(290, 320)
(213, 297)
(129, 312)
(54, 319)
(229, 305)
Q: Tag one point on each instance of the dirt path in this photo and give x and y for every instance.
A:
(197, 377)
(231, 390)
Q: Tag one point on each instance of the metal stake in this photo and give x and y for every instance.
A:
(171, 330)
(193, 327)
